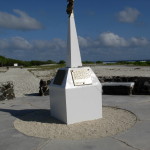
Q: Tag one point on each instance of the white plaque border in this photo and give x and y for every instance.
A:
(81, 83)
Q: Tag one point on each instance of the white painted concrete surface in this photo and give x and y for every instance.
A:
(73, 50)
(72, 104)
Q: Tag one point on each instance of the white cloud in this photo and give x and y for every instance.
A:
(54, 45)
(83, 41)
(21, 22)
(139, 41)
(107, 46)
(21, 48)
(128, 15)
(16, 43)
(20, 43)
(112, 40)
(110, 46)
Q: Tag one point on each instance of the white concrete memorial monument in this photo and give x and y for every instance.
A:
(75, 92)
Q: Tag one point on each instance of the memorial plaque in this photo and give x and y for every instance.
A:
(59, 77)
(81, 77)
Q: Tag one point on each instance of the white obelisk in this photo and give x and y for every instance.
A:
(75, 92)
(73, 51)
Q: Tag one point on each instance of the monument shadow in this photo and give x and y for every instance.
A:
(33, 115)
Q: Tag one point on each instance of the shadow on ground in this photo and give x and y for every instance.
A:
(34, 115)
(32, 94)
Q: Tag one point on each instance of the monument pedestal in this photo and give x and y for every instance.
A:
(75, 92)
(76, 95)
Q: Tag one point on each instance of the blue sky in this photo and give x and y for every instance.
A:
(107, 30)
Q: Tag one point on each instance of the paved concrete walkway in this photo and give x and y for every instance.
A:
(136, 138)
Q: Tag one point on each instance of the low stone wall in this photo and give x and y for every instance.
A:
(6, 91)
(118, 88)
(141, 87)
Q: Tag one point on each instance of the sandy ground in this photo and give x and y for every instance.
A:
(3, 69)
(128, 71)
(26, 83)
(44, 74)
(41, 124)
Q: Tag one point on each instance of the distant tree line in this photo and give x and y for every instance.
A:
(136, 63)
(10, 62)
(92, 62)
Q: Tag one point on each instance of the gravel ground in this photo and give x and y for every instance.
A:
(25, 83)
(128, 71)
(3, 69)
(44, 74)
(41, 124)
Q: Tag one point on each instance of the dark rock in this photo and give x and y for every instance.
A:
(44, 87)
(10, 96)
(6, 91)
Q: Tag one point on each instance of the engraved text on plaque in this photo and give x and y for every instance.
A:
(81, 77)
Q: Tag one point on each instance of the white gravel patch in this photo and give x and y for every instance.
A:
(3, 69)
(127, 71)
(44, 74)
(108, 71)
(41, 124)
(24, 82)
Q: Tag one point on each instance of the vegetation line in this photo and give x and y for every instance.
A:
(45, 64)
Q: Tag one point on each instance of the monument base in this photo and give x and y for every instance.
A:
(76, 95)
